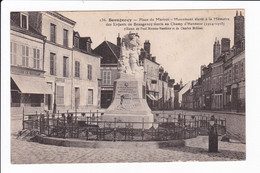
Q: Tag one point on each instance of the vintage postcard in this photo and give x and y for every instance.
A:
(127, 86)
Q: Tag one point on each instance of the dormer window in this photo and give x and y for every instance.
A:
(24, 21)
(88, 47)
(76, 42)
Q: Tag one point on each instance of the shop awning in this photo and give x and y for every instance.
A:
(31, 85)
(153, 97)
(150, 96)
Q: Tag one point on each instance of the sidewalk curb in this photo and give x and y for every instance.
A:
(108, 144)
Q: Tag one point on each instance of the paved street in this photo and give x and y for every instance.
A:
(23, 152)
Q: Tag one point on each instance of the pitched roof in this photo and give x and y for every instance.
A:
(109, 51)
(114, 48)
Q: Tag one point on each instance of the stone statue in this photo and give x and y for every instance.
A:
(129, 55)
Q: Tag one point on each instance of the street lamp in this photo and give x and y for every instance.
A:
(213, 136)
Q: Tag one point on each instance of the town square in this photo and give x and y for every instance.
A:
(79, 98)
(143, 87)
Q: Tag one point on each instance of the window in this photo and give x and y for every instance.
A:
(89, 72)
(76, 42)
(77, 69)
(25, 56)
(24, 21)
(60, 95)
(107, 77)
(36, 58)
(13, 50)
(88, 47)
(90, 96)
(53, 33)
(65, 66)
(52, 64)
(65, 37)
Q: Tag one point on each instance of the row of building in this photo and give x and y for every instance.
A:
(221, 85)
(54, 68)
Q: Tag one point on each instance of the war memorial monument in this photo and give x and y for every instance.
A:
(129, 103)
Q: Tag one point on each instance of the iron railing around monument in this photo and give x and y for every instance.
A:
(67, 125)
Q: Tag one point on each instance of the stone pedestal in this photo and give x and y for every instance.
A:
(129, 103)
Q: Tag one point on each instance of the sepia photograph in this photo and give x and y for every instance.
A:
(127, 86)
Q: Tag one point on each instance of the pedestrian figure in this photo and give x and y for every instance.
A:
(69, 118)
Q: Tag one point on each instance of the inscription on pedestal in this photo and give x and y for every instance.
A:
(127, 88)
(128, 95)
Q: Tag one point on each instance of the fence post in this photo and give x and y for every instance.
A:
(40, 123)
(142, 129)
(97, 128)
(174, 123)
(125, 130)
(36, 124)
(196, 132)
(225, 125)
(23, 118)
(115, 131)
(64, 125)
(48, 123)
(152, 131)
(58, 119)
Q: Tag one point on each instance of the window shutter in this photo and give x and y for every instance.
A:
(34, 58)
(90, 72)
(38, 59)
(23, 55)
(79, 69)
(27, 56)
(54, 67)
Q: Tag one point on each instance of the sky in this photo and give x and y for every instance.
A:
(180, 52)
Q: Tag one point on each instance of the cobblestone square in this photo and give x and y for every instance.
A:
(196, 149)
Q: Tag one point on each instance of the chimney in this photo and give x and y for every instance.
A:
(118, 40)
(147, 46)
(216, 50)
(154, 58)
(225, 45)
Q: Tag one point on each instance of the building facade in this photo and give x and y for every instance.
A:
(86, 75)
(151, 75)
(110, 54)
(223, 81)
(58, 62)
(206, 87)
(67, 72)
(217, 84)
(28, 86)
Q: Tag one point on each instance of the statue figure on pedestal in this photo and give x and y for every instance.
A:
(129, 55)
